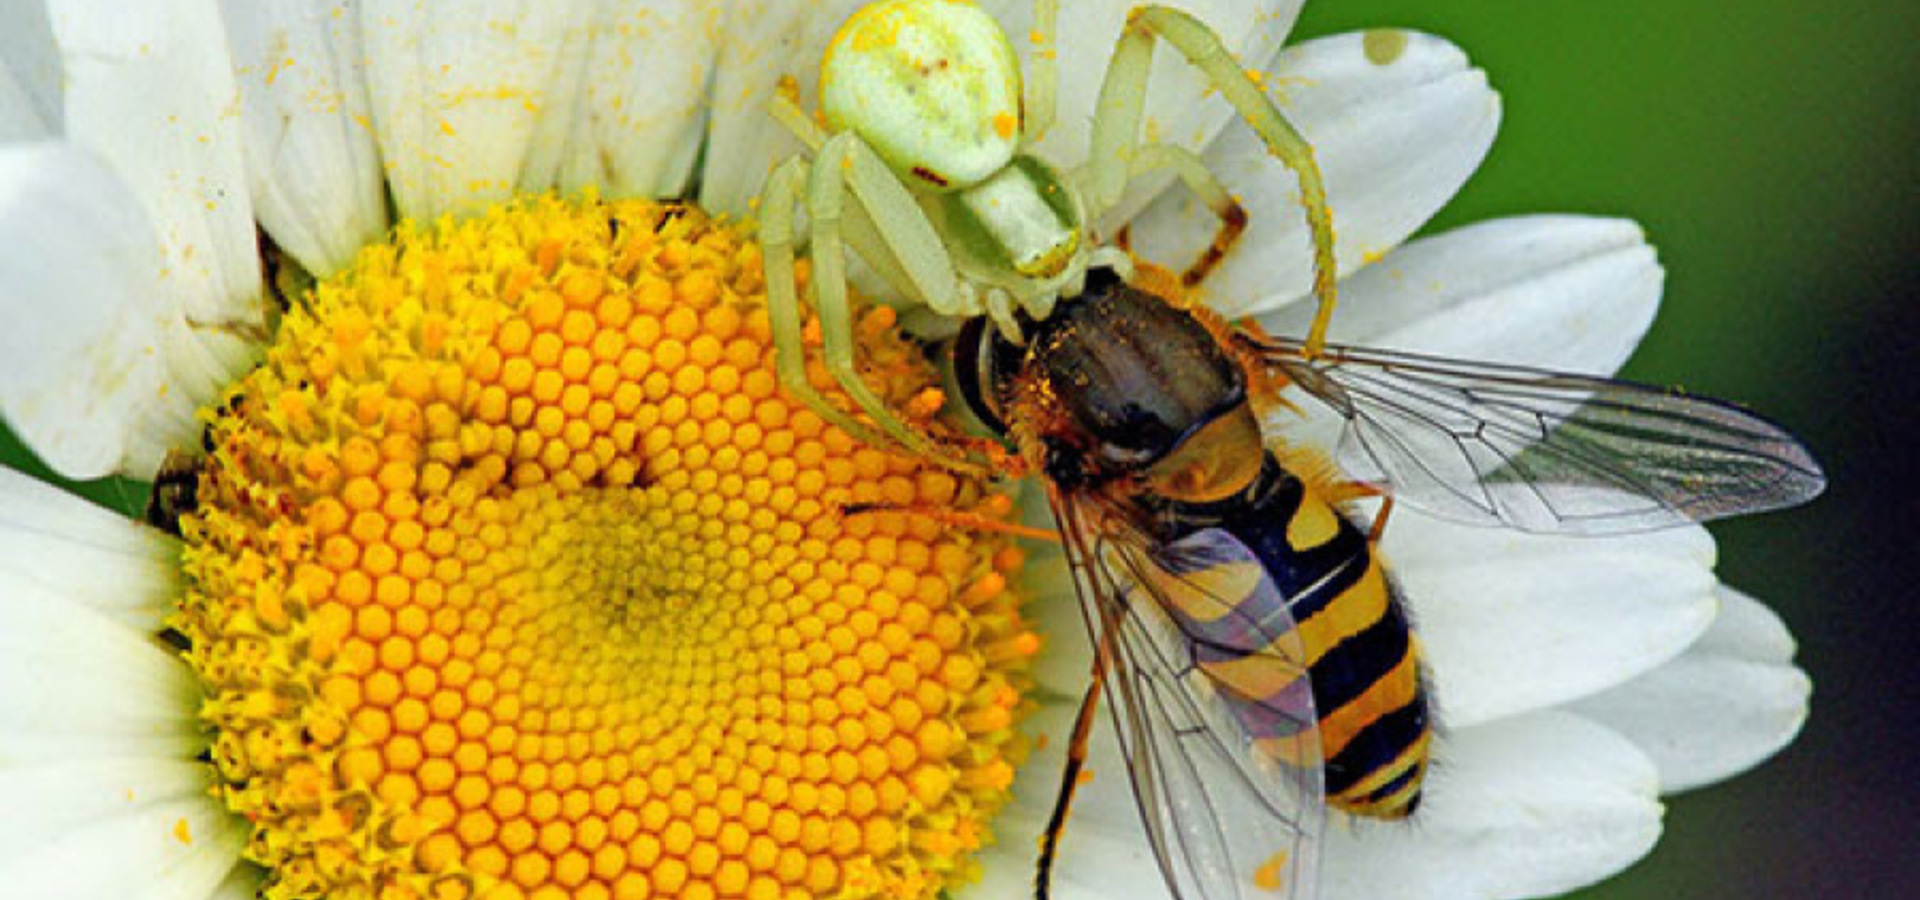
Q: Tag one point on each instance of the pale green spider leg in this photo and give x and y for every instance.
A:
(777, 201)
(846, 167)
(827, 191)
(785, 109)
(887, 227)
(859, 230)
(1116, 130)
(1042, 72)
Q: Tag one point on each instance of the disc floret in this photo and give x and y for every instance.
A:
(515, 574)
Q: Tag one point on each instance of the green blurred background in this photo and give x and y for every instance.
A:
(1768, 149)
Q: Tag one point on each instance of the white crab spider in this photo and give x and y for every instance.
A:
(924, 100)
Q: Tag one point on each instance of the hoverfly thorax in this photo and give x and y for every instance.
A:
(1118, 384)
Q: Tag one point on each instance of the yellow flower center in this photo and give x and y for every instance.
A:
(514, 573)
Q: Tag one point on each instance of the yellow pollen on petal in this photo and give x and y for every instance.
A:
(1268, 875)
(514, 574)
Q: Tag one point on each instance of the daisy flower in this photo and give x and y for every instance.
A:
(492, 562)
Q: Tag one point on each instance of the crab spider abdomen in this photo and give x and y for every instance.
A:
(933, 87)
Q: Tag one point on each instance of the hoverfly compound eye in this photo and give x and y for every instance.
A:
(932, 85)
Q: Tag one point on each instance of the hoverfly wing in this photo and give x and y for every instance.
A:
(1228, 820)
(1545, 451)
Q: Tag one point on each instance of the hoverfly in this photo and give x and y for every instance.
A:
(1261, 663)
(1259, 657)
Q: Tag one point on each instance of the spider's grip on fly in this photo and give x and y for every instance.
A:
(926, 170)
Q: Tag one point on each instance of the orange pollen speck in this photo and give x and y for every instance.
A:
(514, 573)
(1267, 876)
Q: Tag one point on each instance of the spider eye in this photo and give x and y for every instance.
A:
(932, 85)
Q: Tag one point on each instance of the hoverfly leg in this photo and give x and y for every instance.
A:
(1345, 492)
(1069, 781)
(964, 520)
(1379, 525)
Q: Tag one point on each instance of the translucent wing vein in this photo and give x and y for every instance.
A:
(1227, 822)
(1545, 451)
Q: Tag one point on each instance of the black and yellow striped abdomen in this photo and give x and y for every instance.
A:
(1363, 659)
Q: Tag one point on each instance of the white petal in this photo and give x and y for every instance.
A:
(79, 685)
(1527, 807)
(1394, 139)
(149, 87)
(766, 41)
(641, 111)
(457, 97)
(19, 120)
(1730, 701)
(1052, 607)
(1567, 292)
(178, 850)
(1514, 622)
(102, 373)
(1182, 108)
(560, 116)
(47, 800)
(65, 546)
(311, 161)
(1746, 629)
(31, 61)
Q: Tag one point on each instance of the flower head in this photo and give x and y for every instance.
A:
(509, 565)
(510, 571)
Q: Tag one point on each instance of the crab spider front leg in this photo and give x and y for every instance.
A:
(778, 200)
(887, 229)
(847, 168)
(1116, 131)
(827, 190)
